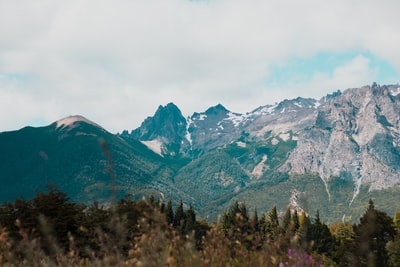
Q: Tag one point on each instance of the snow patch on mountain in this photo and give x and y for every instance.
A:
(263, 110)
(236, 119)
(188, 136)
(155, 145)
(395, 91)
(72, 122)
(298, 104)
(202, 117)
(267, 110)
(317, 104)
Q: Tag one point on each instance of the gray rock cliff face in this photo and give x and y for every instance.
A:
(211, 129)
(289, 115)
(355, 136)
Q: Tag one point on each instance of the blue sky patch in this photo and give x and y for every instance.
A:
(301, 70)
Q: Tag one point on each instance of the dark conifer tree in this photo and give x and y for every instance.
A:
(320, 235)
(273, 217)
(263, 226)
(229, 218)
(295, 220)
(179, 215)
(304, 229)
(372, 234)
(255, 223)
(169, 213)
(271, 229)
(57, 216)
(152, 200)
(162, 207)
(190, 220)
(286, 221)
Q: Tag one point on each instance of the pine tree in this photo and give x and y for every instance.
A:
(304, 230)
(255, 223)
(243, 212)
(273, 217)
(295, 221)
(179, 215)
(169, 213)
(286, 221)
(373, 232)
(319, 234)
(152, 200)
(263, 226)
(190, 220)
(272, 224)
(229, 218)
(56, 216)
(345, 244)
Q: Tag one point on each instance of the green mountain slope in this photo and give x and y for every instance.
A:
(83, 159)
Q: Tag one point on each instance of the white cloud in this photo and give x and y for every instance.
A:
(116, 61)
(353, 73)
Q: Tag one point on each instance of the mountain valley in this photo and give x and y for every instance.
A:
(331, 155)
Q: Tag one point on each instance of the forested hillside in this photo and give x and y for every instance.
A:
(51, 230)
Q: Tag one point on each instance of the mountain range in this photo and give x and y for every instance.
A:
(330, 155)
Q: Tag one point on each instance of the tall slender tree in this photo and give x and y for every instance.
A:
(179, 215)
(169, 212)
(271, 229)
(286, 221)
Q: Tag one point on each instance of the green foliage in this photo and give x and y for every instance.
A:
(343, 252)
(396, 221)
(169, 213)
(393, 251)
(321, 237)
(236, 151)
(272, 224)
(372, 234)
(51, 230)
(220, 175)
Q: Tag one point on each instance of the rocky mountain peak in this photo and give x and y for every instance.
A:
(76, 125)
(72, 121)
(295, 105)
(215, 110)
(170, 108)
(167, 124)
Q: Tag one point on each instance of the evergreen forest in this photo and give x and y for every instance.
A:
(51, 230)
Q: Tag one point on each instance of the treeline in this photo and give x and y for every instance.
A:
(51, 230)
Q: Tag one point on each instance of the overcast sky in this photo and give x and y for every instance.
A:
(115, 62)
